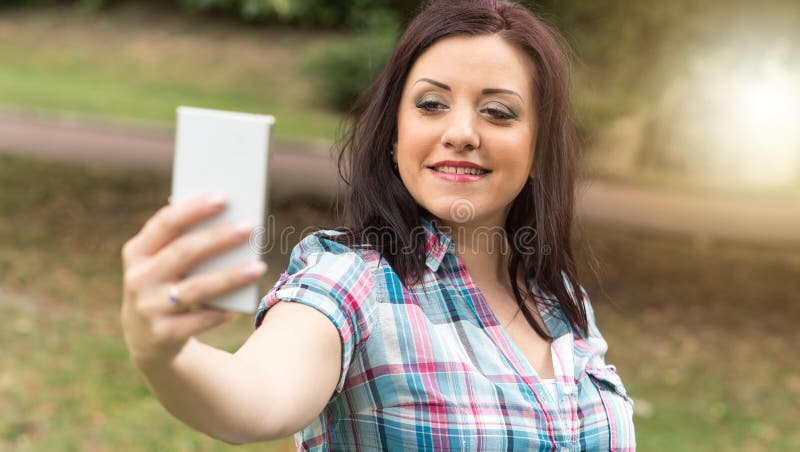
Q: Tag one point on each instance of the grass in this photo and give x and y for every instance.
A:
(65, 379)
(109, 64)
(701, 332)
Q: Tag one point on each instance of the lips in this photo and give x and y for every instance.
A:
(458, 170)
(458, 166)
(457, 177)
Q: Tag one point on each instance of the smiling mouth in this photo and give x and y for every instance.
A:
(459, 170)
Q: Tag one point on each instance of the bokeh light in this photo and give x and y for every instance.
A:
(734, 117)
(761, 113)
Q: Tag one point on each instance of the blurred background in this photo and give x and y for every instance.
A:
(688, 212)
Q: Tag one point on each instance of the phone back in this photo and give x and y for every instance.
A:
(225, 153)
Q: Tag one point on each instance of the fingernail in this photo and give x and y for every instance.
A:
(241, 229)
(215, 201)
(254, 269)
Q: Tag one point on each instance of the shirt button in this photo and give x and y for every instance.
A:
(567, 390)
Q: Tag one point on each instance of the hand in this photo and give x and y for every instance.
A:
(156, 326)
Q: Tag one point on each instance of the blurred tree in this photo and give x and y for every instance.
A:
(340, 71)
(354, 14)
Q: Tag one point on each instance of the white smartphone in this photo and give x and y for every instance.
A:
(227, 153)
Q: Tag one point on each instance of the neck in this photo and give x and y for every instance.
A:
(483, 249)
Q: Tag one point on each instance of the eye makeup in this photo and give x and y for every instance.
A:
(498, 111)
(429, 102)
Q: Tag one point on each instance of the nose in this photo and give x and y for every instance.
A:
(461, 134)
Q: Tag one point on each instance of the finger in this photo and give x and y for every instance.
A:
(197, 290)
(177, 328)
(169, 222)
(189, 249)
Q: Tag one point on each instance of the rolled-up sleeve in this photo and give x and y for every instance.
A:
(335, 280)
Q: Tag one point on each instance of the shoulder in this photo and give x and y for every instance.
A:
(322, 241)
(324, 273)
(335, 249)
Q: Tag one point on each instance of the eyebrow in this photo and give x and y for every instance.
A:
(484, 91)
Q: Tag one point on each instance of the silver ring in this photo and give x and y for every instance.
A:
(173, 295)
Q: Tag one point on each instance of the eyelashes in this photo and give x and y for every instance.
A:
(430, 106)
(495, 110)
(500, 113)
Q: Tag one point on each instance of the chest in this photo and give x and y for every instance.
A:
(453, 378)
(536, 350)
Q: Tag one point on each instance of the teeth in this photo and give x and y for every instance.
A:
(459, 170)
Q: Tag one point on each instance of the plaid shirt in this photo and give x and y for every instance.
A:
(430, 368)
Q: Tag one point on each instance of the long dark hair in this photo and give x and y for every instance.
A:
(377, 200)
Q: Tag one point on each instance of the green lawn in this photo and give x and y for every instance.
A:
(701, 332)
(704, 334)
(65, 379)
(138, 64)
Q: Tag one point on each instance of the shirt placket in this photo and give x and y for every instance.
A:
(563, 413)
(567, 391)
(509, 351)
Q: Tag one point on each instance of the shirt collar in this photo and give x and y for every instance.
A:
(438, 243)
(553, 317)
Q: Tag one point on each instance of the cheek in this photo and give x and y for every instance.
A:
(416, 136)
(515, 150)
(405, 128)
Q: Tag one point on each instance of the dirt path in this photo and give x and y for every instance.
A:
(302, 169)
(295, 168)
(705, 216)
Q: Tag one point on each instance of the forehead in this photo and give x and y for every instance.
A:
(479, 61)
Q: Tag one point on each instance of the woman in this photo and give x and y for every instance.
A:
(402, 332)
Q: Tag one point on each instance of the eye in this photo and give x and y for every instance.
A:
(499, 112)
(430, 106)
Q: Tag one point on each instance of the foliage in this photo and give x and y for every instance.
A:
(341, 71)
(351, 14)
(354, 14)
(326, 13)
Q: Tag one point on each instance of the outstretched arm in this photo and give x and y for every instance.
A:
(274, 385)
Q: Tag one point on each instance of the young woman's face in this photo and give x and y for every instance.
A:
(467, 100)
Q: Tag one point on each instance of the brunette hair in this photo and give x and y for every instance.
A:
(376, 198)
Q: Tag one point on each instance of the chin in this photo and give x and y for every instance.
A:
(454, 210)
